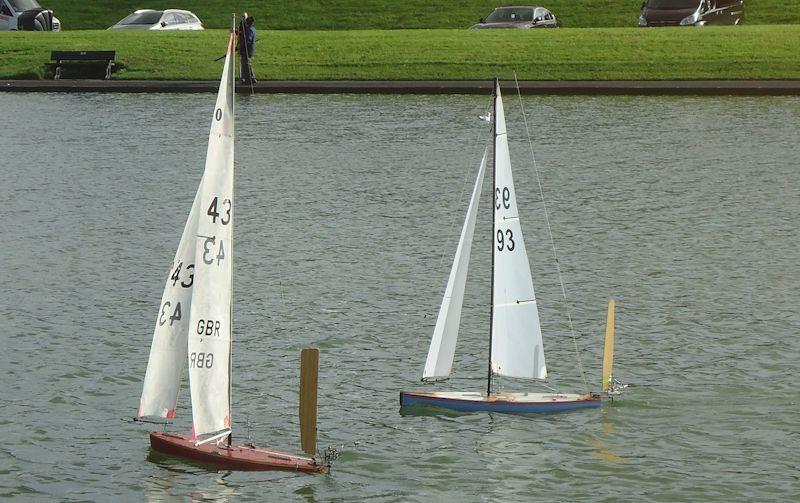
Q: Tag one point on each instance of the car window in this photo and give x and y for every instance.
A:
(673, 4)
(181, 18)
(150, 17)
(169, 19)
(510, 15)
(23, 5)
(4, 10)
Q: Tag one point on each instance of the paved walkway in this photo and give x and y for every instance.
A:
(665, 87)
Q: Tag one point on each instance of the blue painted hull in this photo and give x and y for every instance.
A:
(408, 399)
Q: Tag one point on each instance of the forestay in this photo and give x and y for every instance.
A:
(209, 354)
(516, 334)
(439, 363)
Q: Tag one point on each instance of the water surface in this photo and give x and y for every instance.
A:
(348, 212)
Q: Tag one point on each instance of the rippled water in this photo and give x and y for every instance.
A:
(685, 209)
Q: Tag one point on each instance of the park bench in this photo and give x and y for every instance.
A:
(101, 60)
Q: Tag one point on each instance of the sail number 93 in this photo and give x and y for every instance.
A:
(505, 241)
(506, 198)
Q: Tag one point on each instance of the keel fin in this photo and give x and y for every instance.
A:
(309, 375)
(608, 351)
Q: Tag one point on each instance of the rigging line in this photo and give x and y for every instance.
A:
(550, 234)
(454, 213)
(554, 390)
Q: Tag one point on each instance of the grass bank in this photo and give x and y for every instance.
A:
(743, 52)
(386, 14)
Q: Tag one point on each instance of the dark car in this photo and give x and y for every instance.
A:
(518, 17)
(691, 12)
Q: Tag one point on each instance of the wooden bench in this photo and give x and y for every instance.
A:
(103, 60)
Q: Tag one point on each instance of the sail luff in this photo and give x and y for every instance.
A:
(489, 369)
(516, 333)
(232, 87)
(439, 361)
(209, 342)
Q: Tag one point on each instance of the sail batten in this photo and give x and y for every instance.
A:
(439, 361)
(517, 349)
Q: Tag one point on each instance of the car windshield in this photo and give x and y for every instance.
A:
(23, 5)
(673, 4)
(150, 17)
(510, 15)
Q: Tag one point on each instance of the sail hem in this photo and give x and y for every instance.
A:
(152, 420)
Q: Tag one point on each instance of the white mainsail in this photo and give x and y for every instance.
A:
(516, 334)
(209, 344)
(439, 363)
(168, 351)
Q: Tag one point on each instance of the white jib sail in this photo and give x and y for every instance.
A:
(439, 363)
(516, 334)
(168, 351)
(210, 321)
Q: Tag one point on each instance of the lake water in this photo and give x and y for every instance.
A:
(684, 209)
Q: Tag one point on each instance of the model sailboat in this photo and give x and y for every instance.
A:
(515, 336)
(194, 322)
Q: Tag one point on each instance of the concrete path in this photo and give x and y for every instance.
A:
(666, 87)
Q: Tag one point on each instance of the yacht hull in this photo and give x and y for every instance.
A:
(236, 457)
(512, 403)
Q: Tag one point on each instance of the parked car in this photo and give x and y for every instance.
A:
(27, 15)
(691, 12)
(518, 17)
(170, 19)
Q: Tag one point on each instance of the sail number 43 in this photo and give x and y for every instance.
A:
(210, 254)
(214, 212)
(165, 313)
(176, 275)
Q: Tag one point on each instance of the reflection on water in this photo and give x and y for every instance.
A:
(604, 452)
(686, 208)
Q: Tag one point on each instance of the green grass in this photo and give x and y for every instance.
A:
(743, 52)
(386, 14)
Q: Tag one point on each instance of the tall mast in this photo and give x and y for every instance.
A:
(230, 345)
(494, 209)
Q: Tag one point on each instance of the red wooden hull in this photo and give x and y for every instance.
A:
(236, 457)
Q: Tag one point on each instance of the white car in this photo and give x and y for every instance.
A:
(170, 19)
(27, 15)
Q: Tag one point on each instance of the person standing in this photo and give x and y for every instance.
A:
(246, 44)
